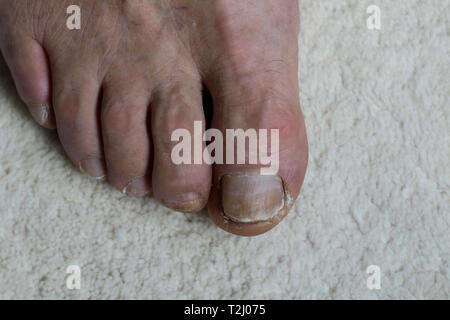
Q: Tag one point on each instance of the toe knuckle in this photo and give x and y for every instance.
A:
(115, 117)
(66, 107)
(118, 117)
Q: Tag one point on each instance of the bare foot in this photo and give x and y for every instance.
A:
(118, 88)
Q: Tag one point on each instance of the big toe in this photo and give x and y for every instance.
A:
(263, 113)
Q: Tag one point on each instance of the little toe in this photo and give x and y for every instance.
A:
(28, 63)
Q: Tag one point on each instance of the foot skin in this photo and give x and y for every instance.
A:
(117, 89)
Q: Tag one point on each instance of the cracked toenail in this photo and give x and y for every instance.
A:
(138, 187)
(93, 167)
(251, 197)
(39, 112)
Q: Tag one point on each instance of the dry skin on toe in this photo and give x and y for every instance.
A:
(136, 71)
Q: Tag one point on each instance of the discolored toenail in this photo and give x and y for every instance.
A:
(39, 112)
(138, 187)
(251, 197)
(185, 202)
(94, 167)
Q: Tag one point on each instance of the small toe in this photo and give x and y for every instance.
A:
(76, 92)
(182, 186)
(29, 67)
(127, 136)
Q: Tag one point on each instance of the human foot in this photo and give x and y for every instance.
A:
(138, 60)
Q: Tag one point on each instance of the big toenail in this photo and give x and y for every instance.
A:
(251, 197)
(39, 112)
(93, 167)
(138, 187)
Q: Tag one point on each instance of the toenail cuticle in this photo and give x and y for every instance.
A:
(249, 198)
(93, 167)
(138, 187)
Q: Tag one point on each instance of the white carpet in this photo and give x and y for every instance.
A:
(376, 193)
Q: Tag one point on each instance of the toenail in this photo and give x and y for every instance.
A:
(138, 187)
(185, 202)
(39, 112)
(251, 197)
(93, 167)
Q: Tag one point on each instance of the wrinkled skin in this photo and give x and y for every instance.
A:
(136, 71)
